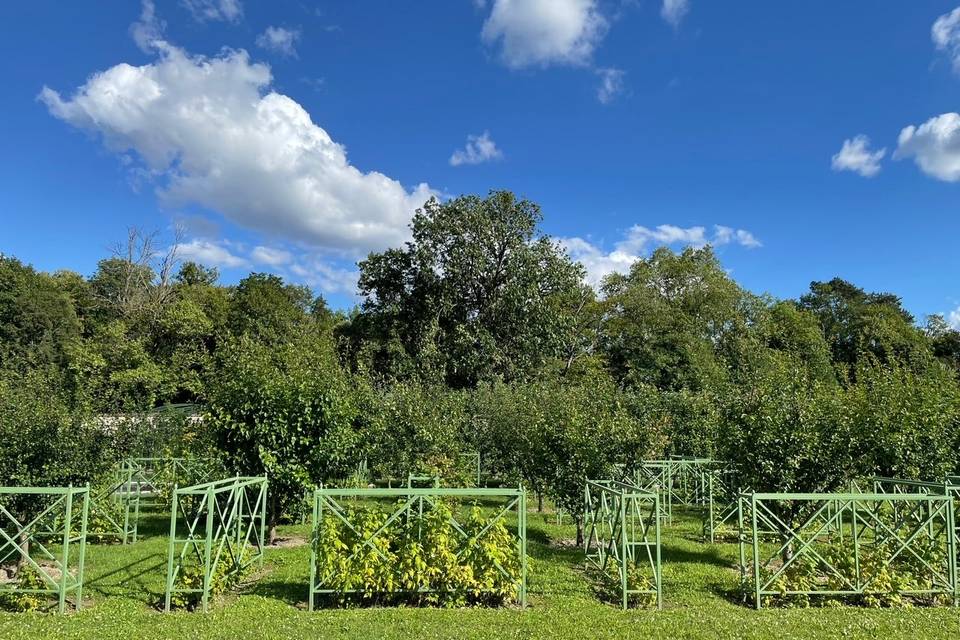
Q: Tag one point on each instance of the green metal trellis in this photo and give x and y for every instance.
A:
(224, 521)
(117, 505)
(150, 477)
(57, 523)
(896, 527)
(622, 524)
(410, 503)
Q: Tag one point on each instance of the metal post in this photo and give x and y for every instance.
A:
(659, 567)
(623, 547)
(313, 549)
(65, 552)
(83, 547)
(522, 531)
(756, 548)
(208, 549)
(171, 548)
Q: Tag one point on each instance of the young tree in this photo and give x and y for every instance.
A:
(286, 411)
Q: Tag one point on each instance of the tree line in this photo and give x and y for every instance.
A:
(480, 334)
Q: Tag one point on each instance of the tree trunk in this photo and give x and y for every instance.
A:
(274, 517)
(23, 541)
(539, 502)
(579, 520)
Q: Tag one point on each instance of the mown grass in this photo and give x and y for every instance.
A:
(124, 585)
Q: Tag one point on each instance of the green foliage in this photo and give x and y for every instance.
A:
(477, 295)
(287, 412)
(19, 598)
(227, 575)
(670, 317)
(419, 560)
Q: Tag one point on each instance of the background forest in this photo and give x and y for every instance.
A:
(480, 334)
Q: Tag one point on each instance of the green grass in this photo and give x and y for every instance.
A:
(124, 585)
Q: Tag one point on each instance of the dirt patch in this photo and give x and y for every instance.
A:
(565, 543)
(288, 542)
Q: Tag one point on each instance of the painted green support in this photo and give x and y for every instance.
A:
(622, 525)
(222, 522)
(60, 519)
(899, 531)
(412, 503)
(117, 504)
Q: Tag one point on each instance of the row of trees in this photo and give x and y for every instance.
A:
(481, 335)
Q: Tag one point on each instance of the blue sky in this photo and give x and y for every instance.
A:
(294, 137)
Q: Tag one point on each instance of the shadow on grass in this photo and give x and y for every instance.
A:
(705, 555)
(129, 579)
(294, 593)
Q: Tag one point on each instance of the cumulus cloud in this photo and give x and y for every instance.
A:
(148, 30)
(639, 240)
(279, 40)
(322, 275)
(545, 32)
(945, 33)
(953, 318)
(216, 10)
(674, 11)
(855, 155)
(209, 253)
(611, 84)
(479, 149)
(271, 256)
(211, 133)
(934, 146)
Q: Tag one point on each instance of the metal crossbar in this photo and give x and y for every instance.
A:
(411, 503)
(57, 523)
(224, 522)
(881, 532)
(622, 523)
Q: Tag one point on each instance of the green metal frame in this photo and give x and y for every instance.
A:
(692, 482)
(622, 523)
(474, 459)
(223, 520)
(866, 519)
(723, 495)
(123, 489)
(409, 503)
(150, 475)
(56, 523)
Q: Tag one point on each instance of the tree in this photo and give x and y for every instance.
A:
(37, 319)
(267, 309)
(286, 411)
(477, 294)
(944, 340)
(854, 321)
(669, 318)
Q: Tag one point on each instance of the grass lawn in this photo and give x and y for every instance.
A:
(124, 585)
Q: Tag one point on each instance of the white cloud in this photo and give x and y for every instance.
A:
(945, 33)
(270, 256)
(639, 240)
(329, 278)
(855, 155)
(149, 28)
(611, 84)
(479, 149)
(223, 10)
(211, 254)
(212, 134)
(674, 11)
(279, 40)
(934, 146)
(953, 318)
(545, 32)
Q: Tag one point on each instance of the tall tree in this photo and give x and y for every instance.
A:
(670, 317)
(477, 294)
